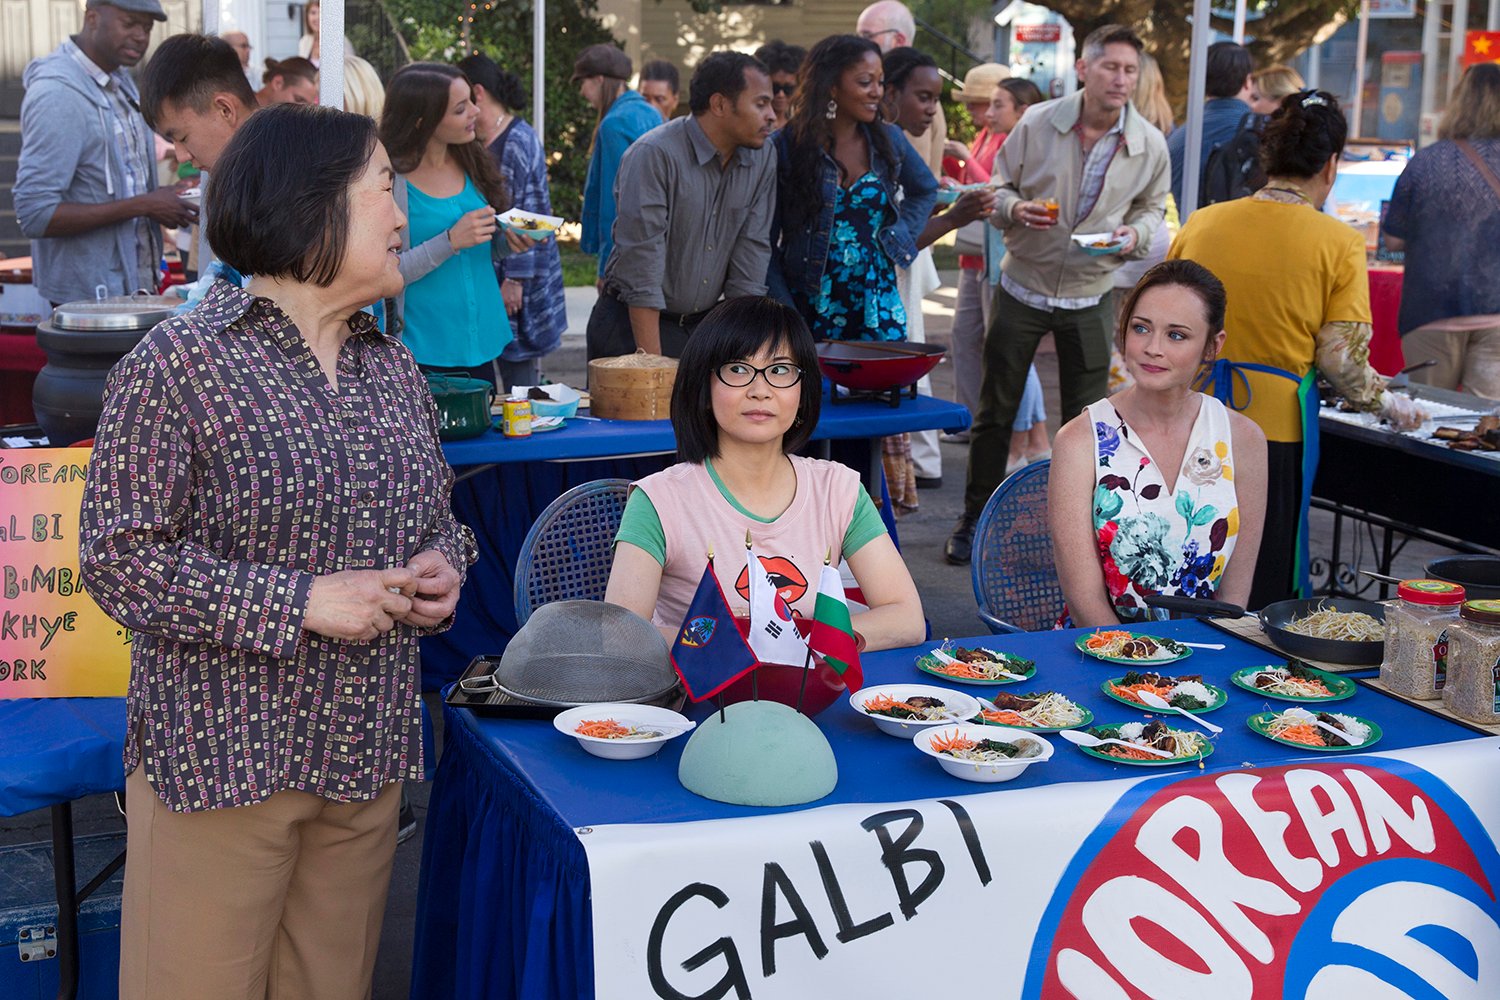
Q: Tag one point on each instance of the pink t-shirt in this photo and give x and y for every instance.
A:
(696, 518)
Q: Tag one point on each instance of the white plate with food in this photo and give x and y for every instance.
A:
(983, 753)
(903, 709)
(622, 731)
(538, 227)
(1099, 244)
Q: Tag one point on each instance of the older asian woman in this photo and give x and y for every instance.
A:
(268, 509)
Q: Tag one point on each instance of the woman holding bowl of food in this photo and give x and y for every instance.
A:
(267, 510)
(1158, 489)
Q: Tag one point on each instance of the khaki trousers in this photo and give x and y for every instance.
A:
(1467, 358)
(281, 900)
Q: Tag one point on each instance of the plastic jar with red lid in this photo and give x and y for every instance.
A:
(1416, 638)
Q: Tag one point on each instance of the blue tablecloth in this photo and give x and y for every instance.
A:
(501, 503)
(503, 909)
(55, 750)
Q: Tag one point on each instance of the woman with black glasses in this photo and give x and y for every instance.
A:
(746, 397)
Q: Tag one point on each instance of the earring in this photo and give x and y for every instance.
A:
(833, 110)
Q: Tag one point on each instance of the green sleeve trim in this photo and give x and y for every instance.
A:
(640, 525)
(864, 526)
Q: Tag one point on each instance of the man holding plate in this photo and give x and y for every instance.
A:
(1085, 163)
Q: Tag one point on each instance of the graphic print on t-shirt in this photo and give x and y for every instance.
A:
(791, 582)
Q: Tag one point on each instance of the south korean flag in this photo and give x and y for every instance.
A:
(773, 634)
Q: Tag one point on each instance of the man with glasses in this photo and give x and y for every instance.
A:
(697, 192)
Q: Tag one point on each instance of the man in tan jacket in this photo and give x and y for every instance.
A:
(1082, 164)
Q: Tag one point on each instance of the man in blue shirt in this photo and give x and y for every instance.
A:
(1229, 88)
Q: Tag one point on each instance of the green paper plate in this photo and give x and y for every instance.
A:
(1221, 698)
(928, 664)
(1342, 687)
(1088, 718)
(1183, 654)
(1257, 723)
(1113, 730)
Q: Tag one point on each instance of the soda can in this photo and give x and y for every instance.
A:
(515, 417)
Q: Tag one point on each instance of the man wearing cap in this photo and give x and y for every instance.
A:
(695, 202)
(602, 73)
(85, 188)
(890, 25)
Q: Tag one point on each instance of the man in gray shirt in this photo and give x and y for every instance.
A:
(694, 199)
(86, 189)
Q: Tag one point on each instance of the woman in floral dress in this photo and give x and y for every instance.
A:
(1122, 528)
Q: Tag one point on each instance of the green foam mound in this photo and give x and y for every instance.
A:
(764, 753)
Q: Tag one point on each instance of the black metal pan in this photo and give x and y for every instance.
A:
(1478, 575)
(1274, 618)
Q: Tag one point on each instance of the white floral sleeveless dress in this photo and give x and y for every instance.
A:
(1155, 536)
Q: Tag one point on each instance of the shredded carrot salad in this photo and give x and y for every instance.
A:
(1129, 753)
(960, 669)
(1306, 734)
(1099, 640)
(604, 729)
(884, 703)
(952, 743)
(1132, 691)
(1005, 718)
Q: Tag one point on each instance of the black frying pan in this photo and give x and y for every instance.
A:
(1274, 618)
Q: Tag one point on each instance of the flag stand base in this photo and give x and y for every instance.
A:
(762, 754)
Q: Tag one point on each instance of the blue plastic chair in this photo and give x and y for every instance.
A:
(568, 551)
(1015, 578)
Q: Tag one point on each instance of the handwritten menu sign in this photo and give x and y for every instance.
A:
(55, 642)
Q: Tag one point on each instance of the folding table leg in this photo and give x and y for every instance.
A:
(67, 901)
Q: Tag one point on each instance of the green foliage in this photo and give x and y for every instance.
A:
(434, 31)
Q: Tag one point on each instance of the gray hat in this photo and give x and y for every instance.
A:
(151, 7)
(602, 59)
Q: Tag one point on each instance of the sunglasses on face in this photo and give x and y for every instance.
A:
(783, 89)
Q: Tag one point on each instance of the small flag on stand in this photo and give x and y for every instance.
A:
(833, 631)
(773, 631)
(709, 653)
(1481, 47)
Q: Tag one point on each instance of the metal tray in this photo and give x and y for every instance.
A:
(501, 705)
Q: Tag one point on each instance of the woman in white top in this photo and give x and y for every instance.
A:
(1122, 527)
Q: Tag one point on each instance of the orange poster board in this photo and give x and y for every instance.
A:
(55, 642)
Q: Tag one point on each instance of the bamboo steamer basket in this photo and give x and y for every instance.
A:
(632, 387)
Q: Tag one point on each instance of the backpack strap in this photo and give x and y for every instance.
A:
(1480, 165)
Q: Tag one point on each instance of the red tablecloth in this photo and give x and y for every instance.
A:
(1385, 302)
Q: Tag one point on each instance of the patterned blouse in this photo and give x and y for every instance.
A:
(1157, 537)
(227, 473)
(858, 299)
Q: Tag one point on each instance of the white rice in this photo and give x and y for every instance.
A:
(1358, 731)
(1193, 689)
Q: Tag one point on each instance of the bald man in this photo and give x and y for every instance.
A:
(890, 25)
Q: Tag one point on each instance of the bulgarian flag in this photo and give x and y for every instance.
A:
(832, 632)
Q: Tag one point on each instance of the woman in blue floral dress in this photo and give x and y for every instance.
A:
(839, 232)
(1158, 489)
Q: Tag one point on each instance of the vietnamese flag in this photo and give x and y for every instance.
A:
(1481, 47)
(833, 633)
(710, 654)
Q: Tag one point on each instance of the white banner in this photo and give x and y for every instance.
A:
(1371, 875)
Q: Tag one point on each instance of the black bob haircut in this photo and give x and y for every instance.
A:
(189, 70)
(278, 203)
(721, 73)
(780, 57)
(734, 330)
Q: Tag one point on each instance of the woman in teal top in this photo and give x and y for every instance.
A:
(451, 313)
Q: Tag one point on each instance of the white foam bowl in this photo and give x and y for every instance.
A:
(960, 705)
(672, 724)
(1005, 770)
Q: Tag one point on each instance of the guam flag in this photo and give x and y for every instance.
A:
(833, 633)
(710, 654)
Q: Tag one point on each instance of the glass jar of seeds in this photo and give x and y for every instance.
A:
(1416, 638)
(1473, 690)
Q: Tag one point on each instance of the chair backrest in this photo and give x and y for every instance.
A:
(1015, 577)
(568, 551)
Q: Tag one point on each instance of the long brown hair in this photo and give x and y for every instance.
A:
(415, 101)
(1474, 111)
